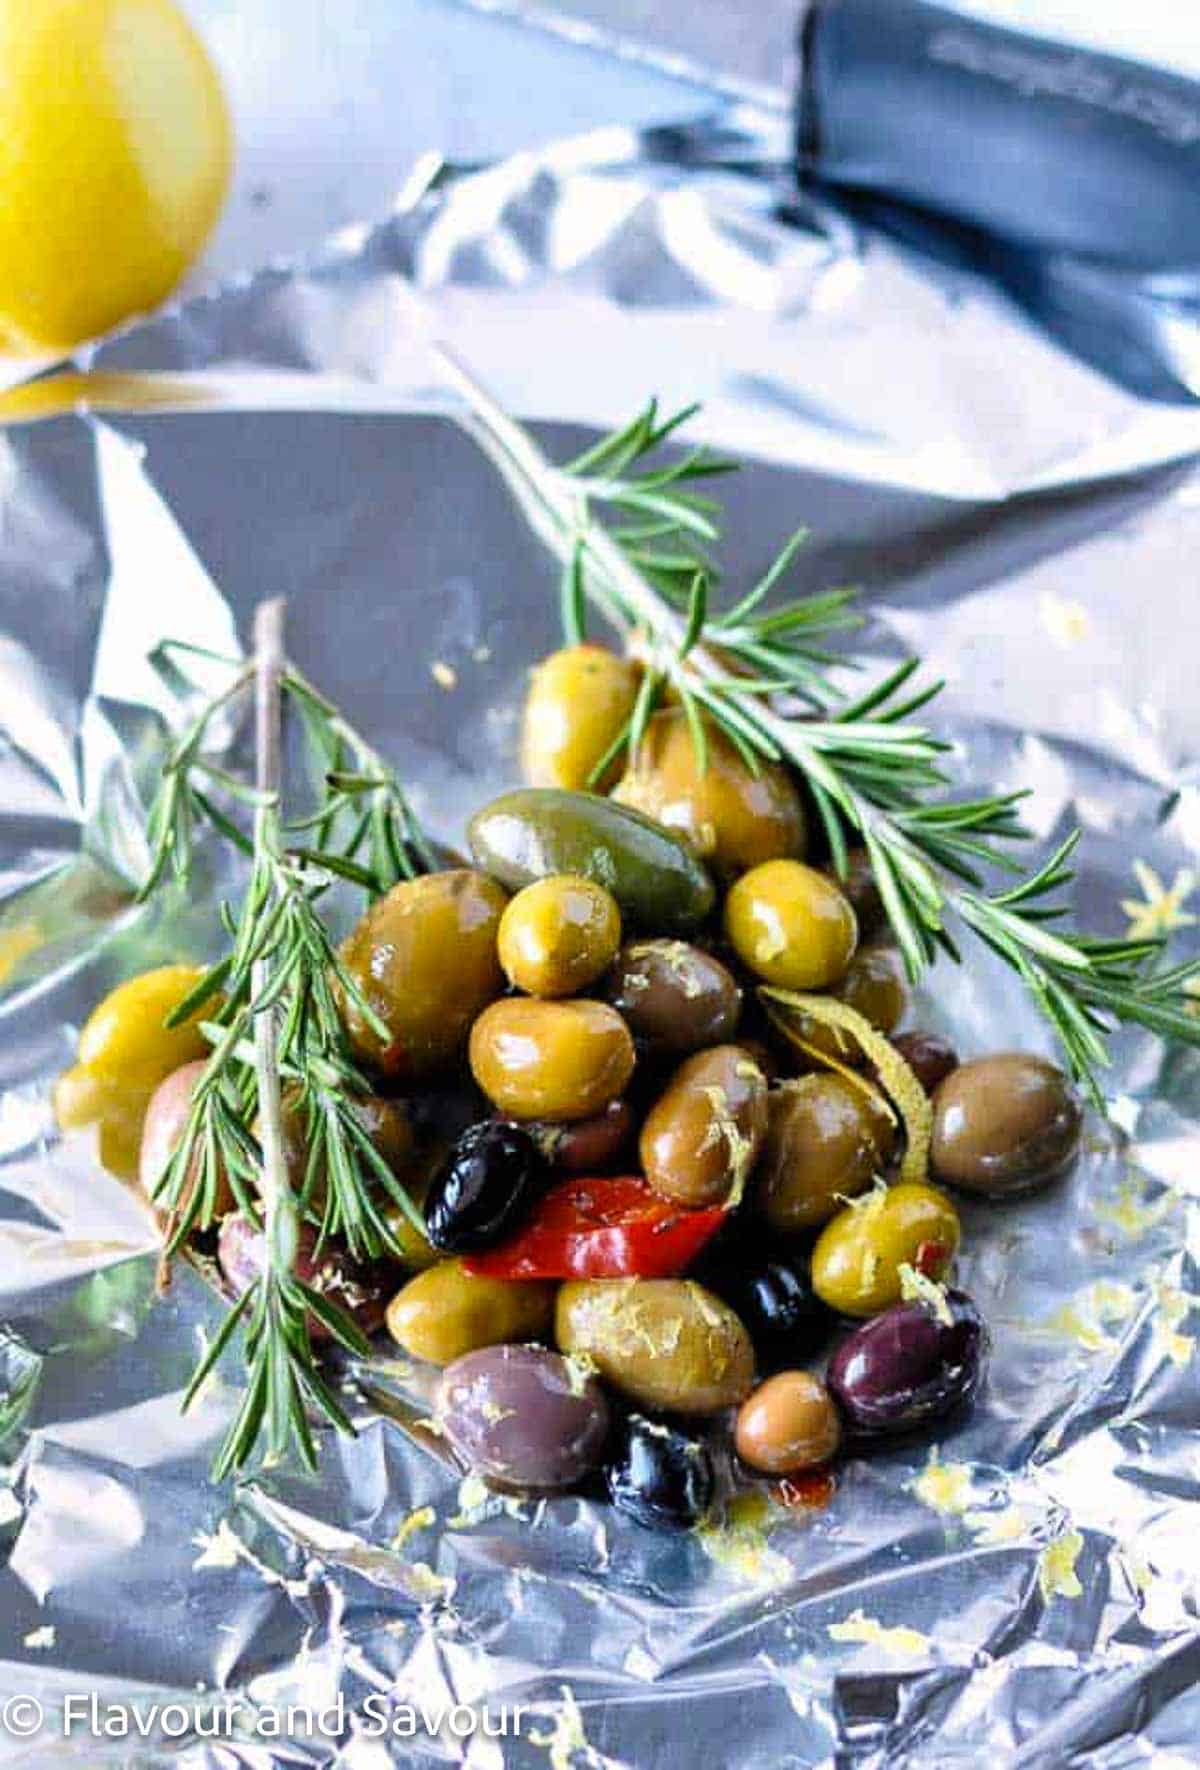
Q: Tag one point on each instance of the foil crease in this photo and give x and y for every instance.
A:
(1022, 1592)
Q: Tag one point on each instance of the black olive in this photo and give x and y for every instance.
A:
(483, 1187)
(783, 1315)
(661, 1477)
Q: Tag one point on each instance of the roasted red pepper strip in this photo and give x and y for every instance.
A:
(604, 1228)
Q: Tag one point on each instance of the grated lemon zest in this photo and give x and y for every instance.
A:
(739, 1545)
(1057, 1577)
(994, 1528)
(916, 1288)
(945, 1487)
(868, 1631)
(421, 1519)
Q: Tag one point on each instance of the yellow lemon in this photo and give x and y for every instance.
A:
(115, 153)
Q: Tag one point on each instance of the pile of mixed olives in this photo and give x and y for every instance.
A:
(667, 1236)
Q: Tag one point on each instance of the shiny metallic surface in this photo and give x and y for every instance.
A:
(1029, 1598)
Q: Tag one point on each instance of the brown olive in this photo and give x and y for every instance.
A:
(702, 1137)
(579, 700)
(826, 1141)
(424, 959)
(732, 817)
(789, 1423)
(861, 888)
(874, 987)
(930, 1057)
(558, 935)
(589, 1146)
(166, 1116)
(666, 1343)
(445, 1312)
(385, 1122)
(551, 1060)
(791, 925)
(676, 998)
(1004, 1124)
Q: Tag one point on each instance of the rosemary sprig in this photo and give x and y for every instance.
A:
(275, 1021)
(765, 679)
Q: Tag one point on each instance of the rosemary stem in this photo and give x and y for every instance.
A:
(268, 731)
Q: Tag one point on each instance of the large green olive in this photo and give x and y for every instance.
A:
(826, 1141)
(385, 1122)
(675, 997)
(444, 1312)
(578, 703)
(558, 935)
(731, 816)
(702, 1137)
(856, 1262)
(551, 1060)
(424, 958)
(667, 1343)
(791, 925)
(656, 879)
(1004, 1124)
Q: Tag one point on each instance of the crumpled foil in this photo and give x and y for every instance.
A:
(1024, 1590)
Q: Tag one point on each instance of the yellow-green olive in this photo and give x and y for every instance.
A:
(444, 1312)
(702, 1137)
(125, 1051)
(424, 959)
(856, 1262)
(730, 816)
(788, 1424)
(579, 700)
(874, 987)
(826, 1141)
(413, 1247)
(791, 925)
(551, 1060)
(667, 1343)
(558, 935)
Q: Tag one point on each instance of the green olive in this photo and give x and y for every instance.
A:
(874, 986)
(856, 1262)
(791, 925)
(702, 1137)
(558, 935)
(1004, 1124)
(551, 1060)
(444, 1312)
(578, 703)
(675, 998)
(826, 1141)
(424, 959)
(666, 1343)
(731, 816)
(656, 879)
(414, 1248)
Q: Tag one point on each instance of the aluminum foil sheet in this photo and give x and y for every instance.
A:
(1023, 1592)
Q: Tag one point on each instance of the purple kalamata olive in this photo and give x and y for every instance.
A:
(166, 1118)
(361, 1288)
(914, 1363)
(523, 1417)
(930, 1057)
